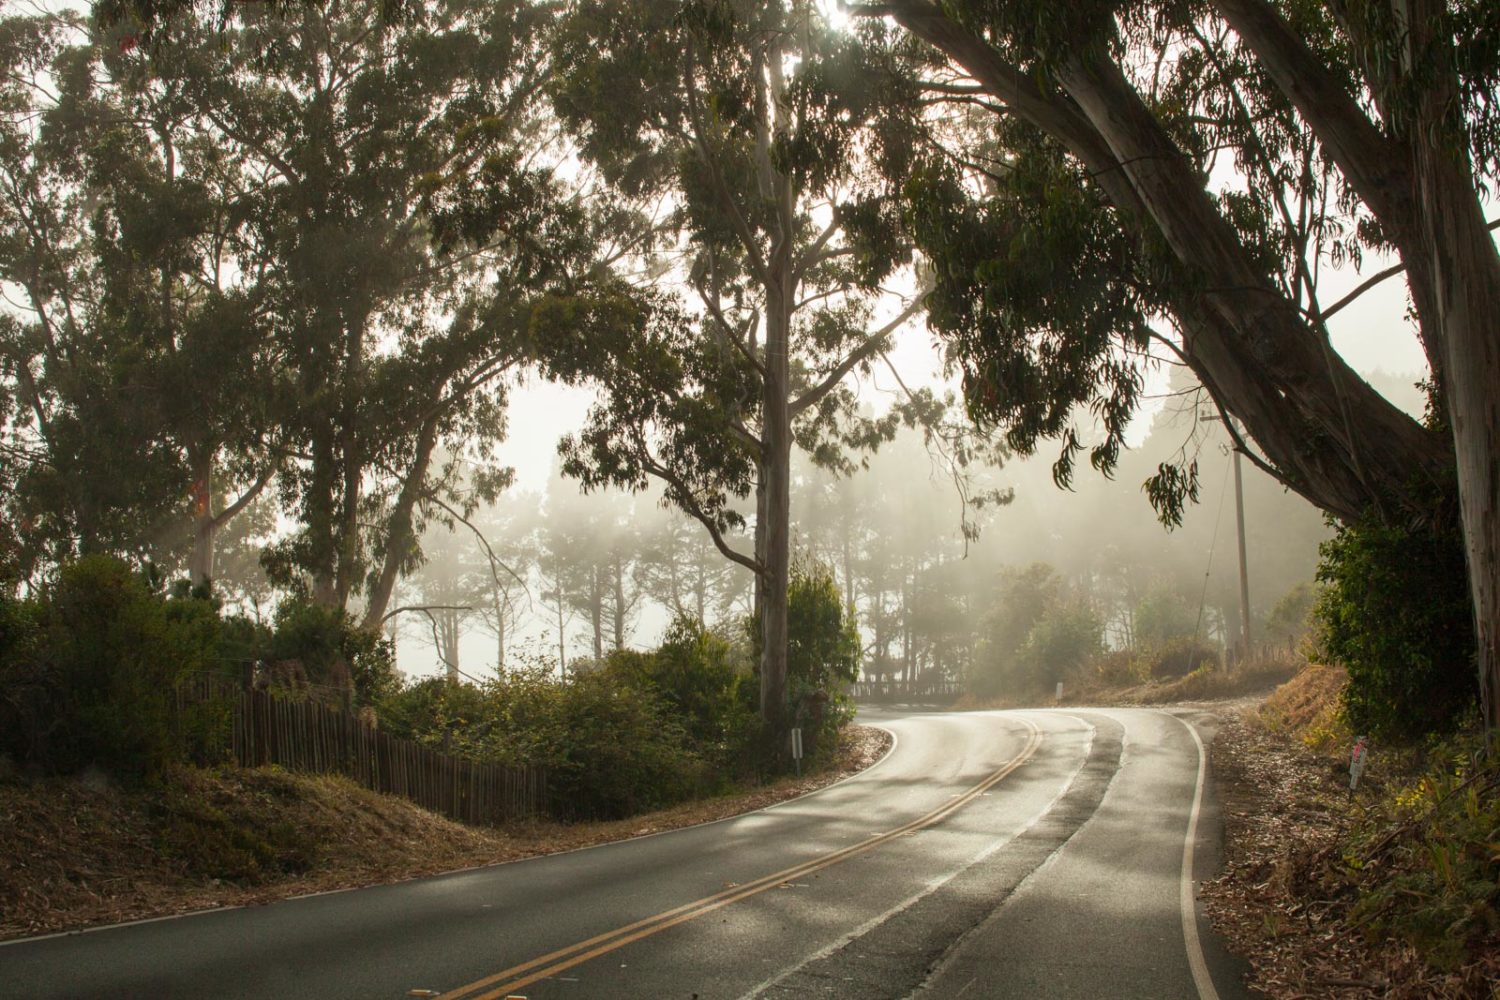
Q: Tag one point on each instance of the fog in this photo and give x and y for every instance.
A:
(568, 576)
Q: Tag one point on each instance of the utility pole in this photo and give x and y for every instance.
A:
(1239, 512)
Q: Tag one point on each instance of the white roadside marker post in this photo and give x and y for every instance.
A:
(797, 749)
(1357, 761)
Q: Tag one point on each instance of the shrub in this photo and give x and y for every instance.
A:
(618, 751)
(1181, 656)
(1291, 617)
(1163, 615)
(1395, 612)
(91, 666)
(1067, 636)
(823, 650)
(1118, 668)
(694, 672)
(334, 651)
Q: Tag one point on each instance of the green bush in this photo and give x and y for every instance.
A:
(1164, 614)
(1065, 638)
(91, 666)
(334, 651)
(694, 671)
(611, 747)
(1395, 612)
(823, 648)
(620, 751)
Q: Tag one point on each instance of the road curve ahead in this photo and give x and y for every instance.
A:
(990, 854)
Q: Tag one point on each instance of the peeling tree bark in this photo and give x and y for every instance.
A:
(1465, 269)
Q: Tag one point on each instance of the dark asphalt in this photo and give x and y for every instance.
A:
(948, 869)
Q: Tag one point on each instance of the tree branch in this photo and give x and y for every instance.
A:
(1370, 283)
(690, 507)
(869, 347)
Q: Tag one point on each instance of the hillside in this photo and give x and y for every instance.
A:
(83, 851)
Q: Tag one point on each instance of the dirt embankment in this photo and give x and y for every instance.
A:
(81, 851)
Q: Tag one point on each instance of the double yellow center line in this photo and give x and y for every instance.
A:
(518, 976)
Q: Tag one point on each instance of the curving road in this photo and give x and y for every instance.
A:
(990, 854)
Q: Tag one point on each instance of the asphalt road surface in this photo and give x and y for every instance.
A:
(990, 854)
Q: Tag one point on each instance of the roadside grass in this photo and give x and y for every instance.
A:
(1390, 890)
(84, 850)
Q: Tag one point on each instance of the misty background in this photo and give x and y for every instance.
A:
(891, 532)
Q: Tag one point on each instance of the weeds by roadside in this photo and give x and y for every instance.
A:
(1389, 891)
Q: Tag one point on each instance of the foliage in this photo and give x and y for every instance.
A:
(1291, 616)
(1164, 614)
(1181, 656)
(1036, 632)
(823, 648)
(1395, 613)
(1425, 860)
(621, 751)
(639, 731)
(1066, 637)
(333, 650)
(703, 680)
(90, 669)
(767, 130)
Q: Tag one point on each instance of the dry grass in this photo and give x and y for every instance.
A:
(80, 851)
(1295, 868)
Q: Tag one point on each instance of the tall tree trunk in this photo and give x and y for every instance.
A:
(596, 610)
(1466, 273)
(448, 635)
(618, 578)
(319, 520)
(205, 525)
(400, 535)
(776, 435)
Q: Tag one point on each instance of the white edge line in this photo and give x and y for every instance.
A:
(936, 884)
(96, 928)
(1187, 896)
(208, 910)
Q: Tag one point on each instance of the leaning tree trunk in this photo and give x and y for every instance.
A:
(1335, 439)
(400, 533)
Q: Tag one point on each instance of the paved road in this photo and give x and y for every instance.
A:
(991, 854)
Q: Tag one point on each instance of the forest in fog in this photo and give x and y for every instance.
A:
(575, 576)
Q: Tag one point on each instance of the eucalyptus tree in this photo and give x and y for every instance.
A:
(137, 353)
(754, 132)
(1354, 127)
(407, 218)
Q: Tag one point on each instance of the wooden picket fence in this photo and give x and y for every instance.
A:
(315, 738)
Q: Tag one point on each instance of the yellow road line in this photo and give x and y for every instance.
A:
(576, 954)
